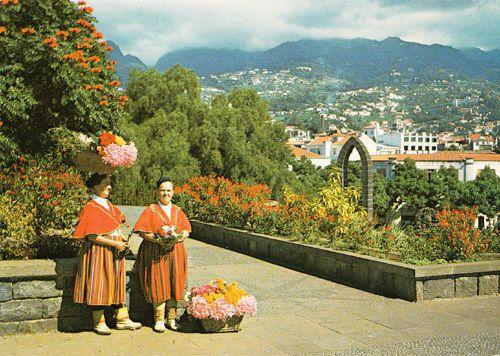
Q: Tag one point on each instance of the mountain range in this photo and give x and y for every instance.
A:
(361, 61)
(124, 63)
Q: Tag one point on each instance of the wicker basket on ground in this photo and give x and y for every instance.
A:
(220, 326)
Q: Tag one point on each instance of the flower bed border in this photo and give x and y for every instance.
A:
(384, 277)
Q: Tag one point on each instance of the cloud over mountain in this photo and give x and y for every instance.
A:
(149, 28)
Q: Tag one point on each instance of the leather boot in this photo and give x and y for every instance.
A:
(123, 321)
(159, 309)
(100, 327)
(171, 322)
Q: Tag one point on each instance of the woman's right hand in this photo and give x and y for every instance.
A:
(120, 245)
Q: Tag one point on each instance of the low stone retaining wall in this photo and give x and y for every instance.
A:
(388, 278)
(37, 296)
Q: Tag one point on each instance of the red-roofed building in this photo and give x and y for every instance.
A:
(478, 142)
(315, 159)
(467, 163)
(329, 146)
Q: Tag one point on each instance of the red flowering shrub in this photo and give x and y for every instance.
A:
(219, 200)
(455, 229)
(53, 198)
(53, 47)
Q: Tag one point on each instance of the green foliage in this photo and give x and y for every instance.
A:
(179, 136)
(252, 148)
(17, 233)
(53, 73)
(445, 190)
(409, 186)
(309, 177)
(380, 197)
(484, 192)
(162, 151)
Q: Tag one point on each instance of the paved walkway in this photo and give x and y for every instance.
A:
(298, 314)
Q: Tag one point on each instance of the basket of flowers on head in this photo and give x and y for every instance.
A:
(111, 151)
(220, 306)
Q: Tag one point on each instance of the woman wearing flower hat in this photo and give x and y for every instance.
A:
(162, 259)
(100, 278)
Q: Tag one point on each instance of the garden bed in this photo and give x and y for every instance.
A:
(384, 277)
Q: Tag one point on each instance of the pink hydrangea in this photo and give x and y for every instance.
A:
(222, 310)
(247, 305)
(204, 289)
(199, 308)
(117, 155)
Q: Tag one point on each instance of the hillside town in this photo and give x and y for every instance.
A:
(469, 155)
(449, 122)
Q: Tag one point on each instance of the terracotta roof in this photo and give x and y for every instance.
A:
(342, 141)
(455, 139)
(442, 156)
(474, 136)
(295, 142)
(299, 152)
(318, 140)
(483, 138)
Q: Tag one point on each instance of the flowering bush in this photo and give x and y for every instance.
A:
(54, 47)
(115, 152)
(335, 219)
(39, 204)
(220, 300)
(456, 231)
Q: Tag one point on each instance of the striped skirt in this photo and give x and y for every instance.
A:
(162, 274)
(100, 277)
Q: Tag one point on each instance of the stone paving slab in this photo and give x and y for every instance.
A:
(298, 314)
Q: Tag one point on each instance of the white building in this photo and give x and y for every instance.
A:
(410, 142)
(373, 130)
(297, 134)
(479, 142)
(317, 160)
(468, 164)
(404, 142)
(329, 146)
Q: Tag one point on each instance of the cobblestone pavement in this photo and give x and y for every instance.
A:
(298, 314)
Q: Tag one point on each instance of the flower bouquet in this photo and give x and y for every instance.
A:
(220, 306)
(169, 237)
(111, 151)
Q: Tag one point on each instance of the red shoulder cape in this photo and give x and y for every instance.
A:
(97, 220)
(150, 220)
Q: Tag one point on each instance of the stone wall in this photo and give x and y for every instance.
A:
(37, 295)
(388, 278)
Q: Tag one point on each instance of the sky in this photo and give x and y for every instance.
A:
(150, 28)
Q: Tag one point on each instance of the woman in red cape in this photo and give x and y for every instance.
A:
(100, 277)
(162, 259)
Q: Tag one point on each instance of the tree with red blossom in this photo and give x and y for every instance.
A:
(54, 72)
